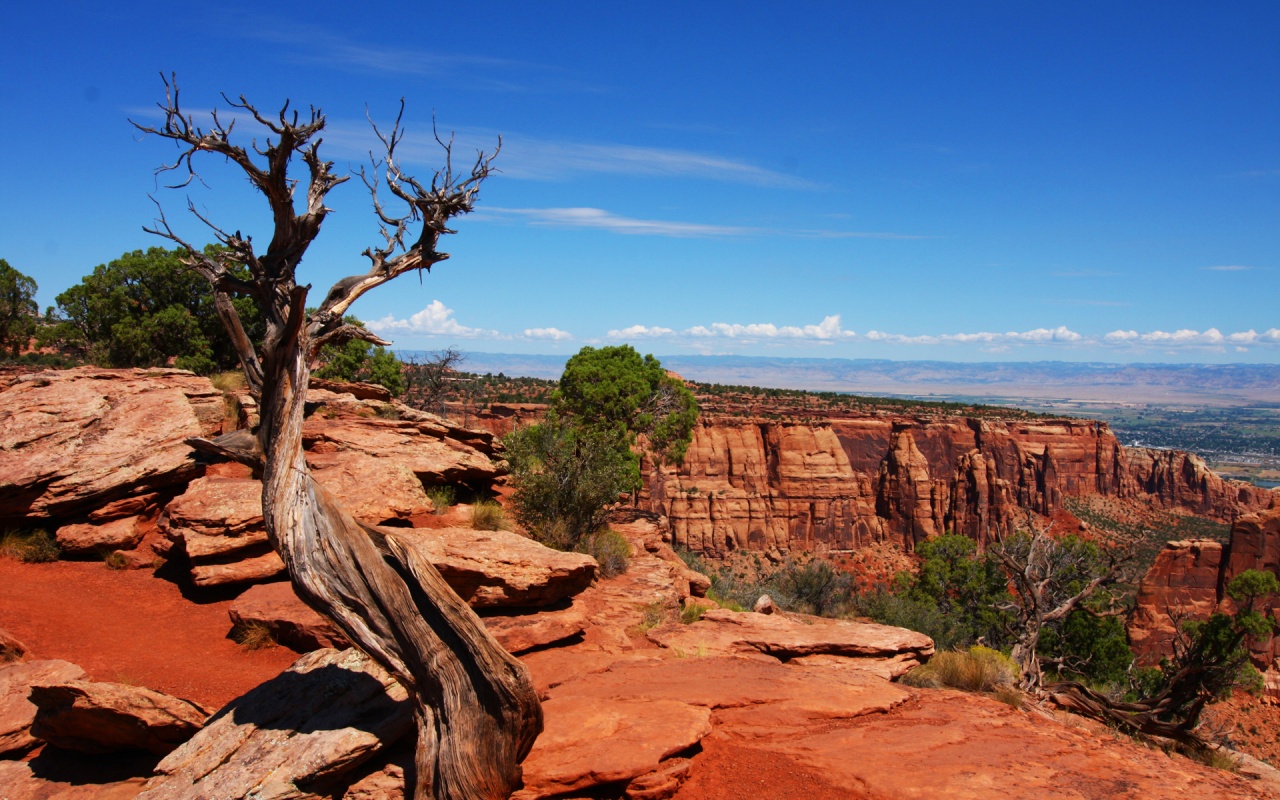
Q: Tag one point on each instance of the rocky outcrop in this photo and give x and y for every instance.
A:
(1181, 584)
(499, 568)
(1189, 580)
(276, 607)
(848, 482)
(293, 736)
(881, 649)
(100, 717)
(10, 648)
(16, 710)
(81, 440)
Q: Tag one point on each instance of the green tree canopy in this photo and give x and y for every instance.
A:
(18, 309)
(615, 387)
(148, 307)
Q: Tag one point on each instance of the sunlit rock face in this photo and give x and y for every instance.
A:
(841, 484)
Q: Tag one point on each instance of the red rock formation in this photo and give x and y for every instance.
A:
(1190, 578)
(1181, 584)
(841, 484)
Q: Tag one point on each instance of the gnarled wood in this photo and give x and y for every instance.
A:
(474, 705)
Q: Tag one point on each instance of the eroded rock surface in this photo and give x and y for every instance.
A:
(17, 712)
(291, 737)
(499, 568)
(73, 441)
(96, 539)
(101, 717)
(293, 623)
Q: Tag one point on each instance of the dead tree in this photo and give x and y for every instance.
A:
(429, 378)
(476, 710)
(1048, 583)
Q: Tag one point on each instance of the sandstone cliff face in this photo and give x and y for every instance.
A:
(841, 484)
(1189, 579)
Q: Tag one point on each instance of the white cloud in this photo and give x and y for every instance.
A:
(830, 331)
(434, 320)
(1228, 268)
(554, 334)
(641, 332)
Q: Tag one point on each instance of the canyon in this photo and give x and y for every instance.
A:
(851, 480)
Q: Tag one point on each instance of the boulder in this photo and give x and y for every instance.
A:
(881, 649)
(101, 717)
(20, 780)
(292, 623)
(587, 743)
(73, 441)
(371, 488)
(90, 539)
(10, 648)
(434, 451)
(520, 634)
(291, 737)
(499, 568)
(265, 567)
(764, 605)
(16, 710)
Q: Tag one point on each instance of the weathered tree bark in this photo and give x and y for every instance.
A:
(476, 710)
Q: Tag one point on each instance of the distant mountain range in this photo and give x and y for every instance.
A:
(1214, 384)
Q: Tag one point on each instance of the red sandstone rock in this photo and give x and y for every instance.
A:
(499, 568)
(85, 539)
(16, 710)
(290, 737)
(881, 649)
(519, 634)
(434, 451)
(99, 717)
(255, 569)
(10, 648)
(1182, 584)
(19, 781)
(850, 482)
(291, 622)
(72, 441)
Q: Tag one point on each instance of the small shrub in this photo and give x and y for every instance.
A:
(1010, 695)
(653, 616)
(30, 547)
(487, 515)
(253, 636)
(979, 669)
(692, 613)
(725, 602)
(387, 411)
(610, 550)
(442, 498)
(115, 560)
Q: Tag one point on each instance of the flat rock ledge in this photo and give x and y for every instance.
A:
(16, 711)
(882, 649)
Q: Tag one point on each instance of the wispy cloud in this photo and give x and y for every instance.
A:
(533, 158)
(600, 219)
(1228, 268)
(1085, 273)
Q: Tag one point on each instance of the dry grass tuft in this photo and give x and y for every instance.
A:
(611, 551)
(979, 669)
(253, 636)
(115, 560)
(486, 515)
(31, 547)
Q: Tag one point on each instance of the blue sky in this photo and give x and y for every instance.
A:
(967, 181)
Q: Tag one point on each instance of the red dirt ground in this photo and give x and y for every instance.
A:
(131, 627)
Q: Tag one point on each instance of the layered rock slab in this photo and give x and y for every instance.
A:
(73, 441)
(102, 717)
(17, 712)
(292, 737)
(881, 649)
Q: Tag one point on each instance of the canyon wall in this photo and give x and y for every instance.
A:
(1188, 582)
(851, 481)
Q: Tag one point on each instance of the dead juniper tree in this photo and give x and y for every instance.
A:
(476, 710)
(1049, 579)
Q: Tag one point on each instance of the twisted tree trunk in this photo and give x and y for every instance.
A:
(476, 710)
